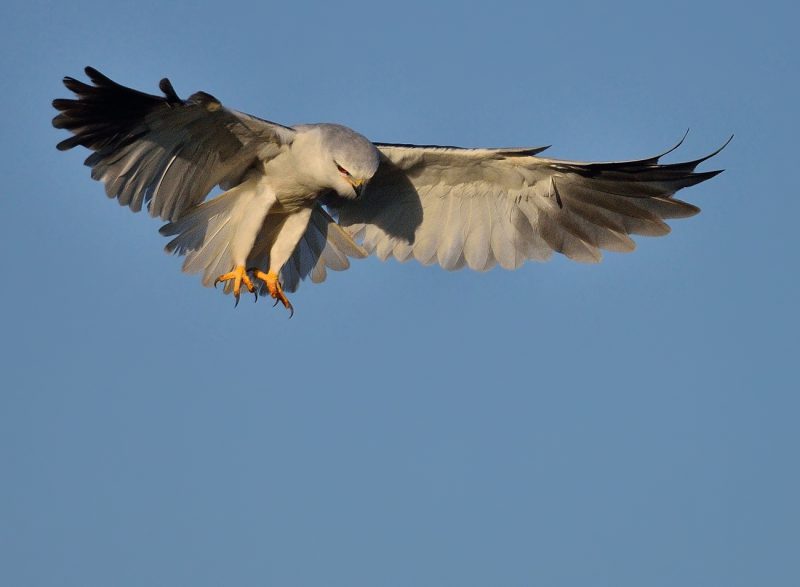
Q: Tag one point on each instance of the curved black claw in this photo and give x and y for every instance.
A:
(288, 305)
(236, 303)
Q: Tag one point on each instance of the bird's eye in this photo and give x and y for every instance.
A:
(342, 169)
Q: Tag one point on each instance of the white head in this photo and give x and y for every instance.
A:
(353, 159)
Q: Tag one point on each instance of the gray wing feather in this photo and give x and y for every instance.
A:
(481, 207)
(162, 152)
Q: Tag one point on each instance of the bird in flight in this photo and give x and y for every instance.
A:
(299, 200)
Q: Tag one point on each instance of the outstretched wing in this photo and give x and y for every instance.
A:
(164, 152)
(481, 207)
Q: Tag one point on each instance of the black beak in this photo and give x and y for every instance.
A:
(359, 189)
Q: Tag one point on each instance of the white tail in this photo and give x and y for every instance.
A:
(207, 233)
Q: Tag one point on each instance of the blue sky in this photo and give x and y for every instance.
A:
(630, 423)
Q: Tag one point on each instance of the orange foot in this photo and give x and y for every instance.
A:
(274, 287)
(239, 276)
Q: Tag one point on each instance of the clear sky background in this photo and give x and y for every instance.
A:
(625, 424)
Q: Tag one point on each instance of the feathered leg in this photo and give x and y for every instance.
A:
(289, 234)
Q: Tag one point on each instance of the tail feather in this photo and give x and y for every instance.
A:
(204, 233)
(324, 245)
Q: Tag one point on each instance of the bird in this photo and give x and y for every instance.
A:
(297, 201)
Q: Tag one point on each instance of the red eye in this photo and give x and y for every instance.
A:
(342, 170)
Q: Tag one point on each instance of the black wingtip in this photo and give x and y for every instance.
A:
(103, 111)
(725, 144)
(75, 86)
(62, 104)
(728, 142)
(97, 78)
(169, 91)
(704, 175)
(536, 150)
(673, 148)
(697, 162)
(66, 144)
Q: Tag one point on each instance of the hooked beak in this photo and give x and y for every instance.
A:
(358, 185)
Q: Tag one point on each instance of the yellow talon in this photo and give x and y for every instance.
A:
(275, 289)
(239, 276)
